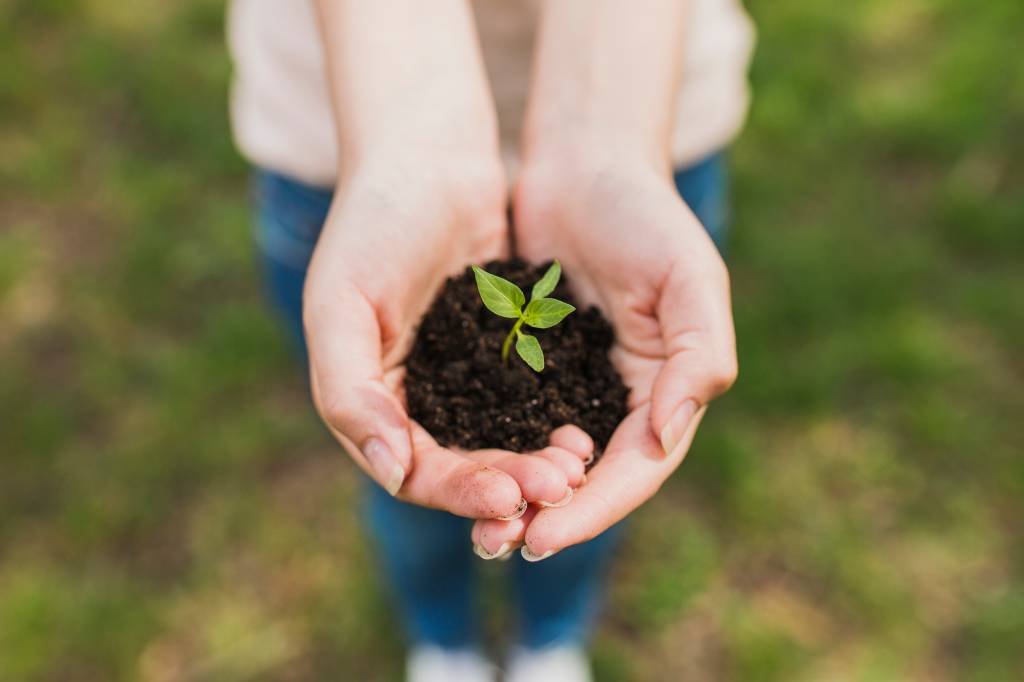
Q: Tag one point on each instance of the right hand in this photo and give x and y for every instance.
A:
(394, 232)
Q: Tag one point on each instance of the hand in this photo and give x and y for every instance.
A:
(394, 233)
(421, 195)
(630, 246)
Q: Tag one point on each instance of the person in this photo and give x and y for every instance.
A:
(383, 170)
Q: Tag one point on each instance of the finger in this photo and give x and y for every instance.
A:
(444, 479)
(697, 329)
(347, 380)
(540, 480)
(630, 472)
(493, 539)
(569, 464)
(574, 439)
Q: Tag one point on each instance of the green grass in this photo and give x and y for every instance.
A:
(171, 510)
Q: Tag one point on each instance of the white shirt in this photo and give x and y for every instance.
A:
(281, 111)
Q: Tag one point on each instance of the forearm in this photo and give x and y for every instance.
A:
(406, 75)
(605, 77)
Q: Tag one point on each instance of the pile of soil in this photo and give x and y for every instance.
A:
(460, 390)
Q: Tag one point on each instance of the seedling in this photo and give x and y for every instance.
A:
(505, 299)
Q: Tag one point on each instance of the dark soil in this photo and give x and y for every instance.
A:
(459, 389)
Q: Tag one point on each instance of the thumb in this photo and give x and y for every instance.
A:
(346, 376)
(687, 383)
(697, 329)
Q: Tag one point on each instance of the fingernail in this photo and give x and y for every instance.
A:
(530, 556)
(388, 472)
(520, 510)
(503, 552)
(588, 460)
(677, 425)
(560, 503)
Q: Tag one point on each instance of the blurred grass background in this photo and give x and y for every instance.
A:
(171, 510)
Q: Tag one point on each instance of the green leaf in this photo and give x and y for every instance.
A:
(547, 283)
(501, 296)
(529, 350)
(546, 312)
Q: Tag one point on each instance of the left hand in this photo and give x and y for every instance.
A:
(630, 246)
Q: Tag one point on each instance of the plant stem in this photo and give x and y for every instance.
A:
(505, 347)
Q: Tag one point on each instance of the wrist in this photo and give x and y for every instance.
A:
(555, 176)
(468, 185)
(593, 133)
(587, 152)
(425, 146)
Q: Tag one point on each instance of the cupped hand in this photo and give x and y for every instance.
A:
(393, 234)
(629, 245)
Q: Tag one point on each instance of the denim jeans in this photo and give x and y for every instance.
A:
(425, 554)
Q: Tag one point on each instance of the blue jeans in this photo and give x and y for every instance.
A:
(425, 554)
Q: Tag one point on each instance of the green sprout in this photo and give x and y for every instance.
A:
(505, 299)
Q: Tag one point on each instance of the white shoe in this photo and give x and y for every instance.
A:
(565, 663)
(434, 664)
